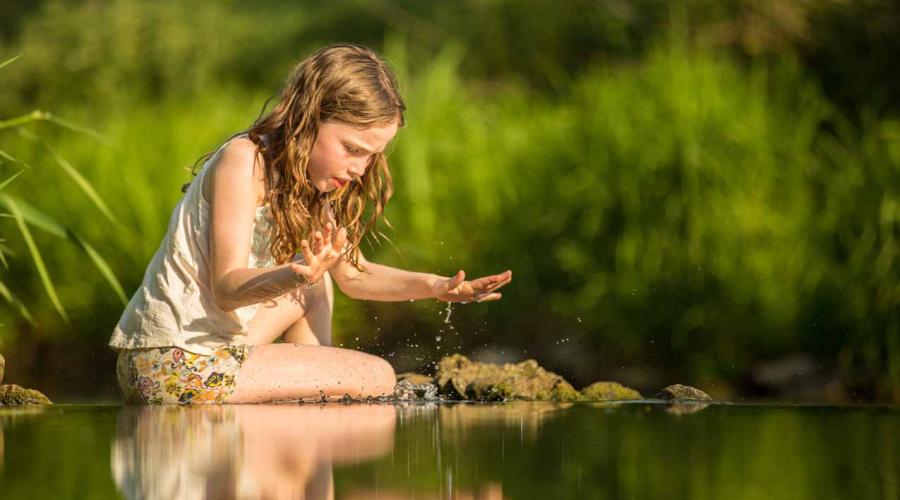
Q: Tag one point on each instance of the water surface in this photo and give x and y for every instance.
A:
(640, 450)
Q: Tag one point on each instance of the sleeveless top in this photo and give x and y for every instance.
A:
(174, 305)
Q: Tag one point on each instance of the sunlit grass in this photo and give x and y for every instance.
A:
(24, 214)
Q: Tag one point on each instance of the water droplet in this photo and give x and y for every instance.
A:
(449, 310)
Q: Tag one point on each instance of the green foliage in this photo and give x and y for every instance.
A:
(666, 195)
(24, 214)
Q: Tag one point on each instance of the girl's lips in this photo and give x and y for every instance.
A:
(338, 182)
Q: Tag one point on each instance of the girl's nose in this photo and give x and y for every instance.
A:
(357, 169)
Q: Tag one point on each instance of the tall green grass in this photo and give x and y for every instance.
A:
(26, 216)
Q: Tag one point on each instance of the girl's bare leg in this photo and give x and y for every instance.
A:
(303, 316)
(292, 371)
(305, 365)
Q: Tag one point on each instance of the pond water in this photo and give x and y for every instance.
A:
(635, 450)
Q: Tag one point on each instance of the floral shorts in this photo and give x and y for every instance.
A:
(171, 375)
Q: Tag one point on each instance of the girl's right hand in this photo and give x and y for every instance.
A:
(325, 254)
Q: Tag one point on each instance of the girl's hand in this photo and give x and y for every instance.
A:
(456, 289)
(324, 254)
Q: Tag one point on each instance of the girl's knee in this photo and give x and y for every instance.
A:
(383, 375)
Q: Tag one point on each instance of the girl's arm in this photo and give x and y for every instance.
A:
(385, 283)
(232, 209)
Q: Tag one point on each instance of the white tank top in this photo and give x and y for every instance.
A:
(174, 305)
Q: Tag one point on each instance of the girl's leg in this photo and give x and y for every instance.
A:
(305, 364)
(303, 316)
(292, 371)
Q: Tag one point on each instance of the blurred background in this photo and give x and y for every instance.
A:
(704, 192)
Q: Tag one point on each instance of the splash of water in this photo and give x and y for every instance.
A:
(448, 310)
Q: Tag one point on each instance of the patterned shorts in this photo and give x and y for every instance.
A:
(171, 375)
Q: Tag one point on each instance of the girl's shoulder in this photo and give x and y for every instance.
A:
(237, 156)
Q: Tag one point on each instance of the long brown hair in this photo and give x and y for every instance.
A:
(346, 83)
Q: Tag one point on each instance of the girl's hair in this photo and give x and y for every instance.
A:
(346, 83)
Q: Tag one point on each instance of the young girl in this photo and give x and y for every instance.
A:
(227, 280)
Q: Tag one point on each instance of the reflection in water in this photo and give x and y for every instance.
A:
(11, 414)
(415, 450)
(244, 451)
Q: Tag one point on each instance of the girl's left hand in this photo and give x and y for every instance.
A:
(456, 289)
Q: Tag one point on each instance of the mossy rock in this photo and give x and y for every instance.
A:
(415, 378)
(610, 391)
(14, 395)
(458, 377)
(678, 392)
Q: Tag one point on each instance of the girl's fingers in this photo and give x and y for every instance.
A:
(319, 241)
(324, 253)
(491, 283)
(456, 280)
(340, 239)
(489, 297)
(307, 251)
(300, 269)
(497, 284)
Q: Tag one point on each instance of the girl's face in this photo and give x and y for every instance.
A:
(342, 152)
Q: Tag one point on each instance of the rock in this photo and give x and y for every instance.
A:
(415, 378)
(609, 391)
(14, 395)
(407, 391)
(2, 367)
(680, 392)
(458, 377)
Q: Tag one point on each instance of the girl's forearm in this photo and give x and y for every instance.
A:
(244, 287)
(387, 284)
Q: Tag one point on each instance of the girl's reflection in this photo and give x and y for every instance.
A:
(253, 451)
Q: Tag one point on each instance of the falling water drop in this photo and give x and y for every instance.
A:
(448, 311)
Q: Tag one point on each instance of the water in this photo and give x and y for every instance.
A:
(427, 450)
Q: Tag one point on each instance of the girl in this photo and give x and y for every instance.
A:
(226, 282)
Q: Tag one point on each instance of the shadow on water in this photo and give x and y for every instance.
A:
(438, 450)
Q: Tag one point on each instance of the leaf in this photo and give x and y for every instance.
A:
(10, 60)
(6, 156)
(103, 267)
(34, 116)
(15, 302)
(3, 252)
(39, 219)
(83, 183)
(50, 117)
(7, 181)
(35, 255)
